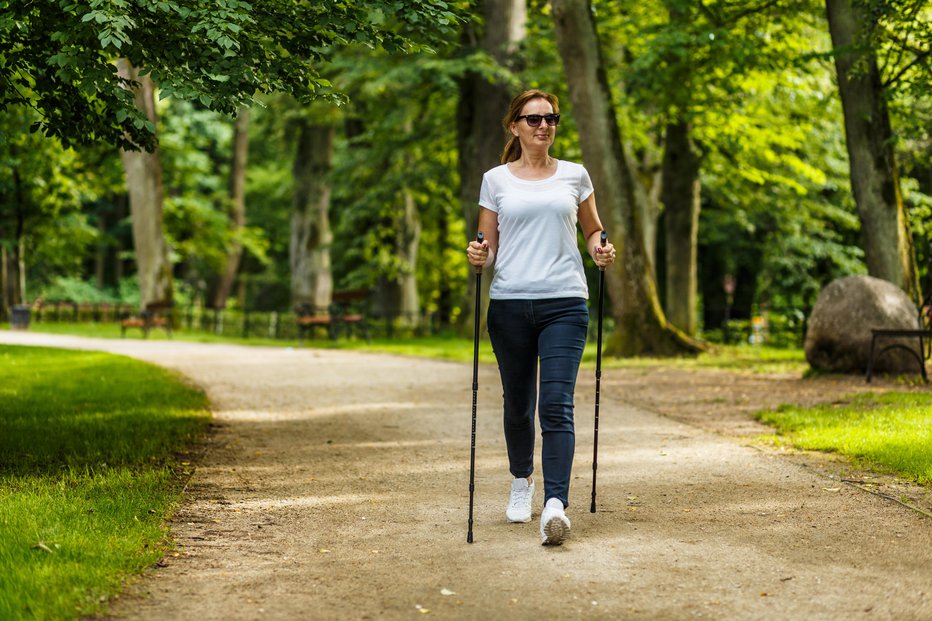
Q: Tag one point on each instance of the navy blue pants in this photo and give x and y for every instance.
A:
(552, 333)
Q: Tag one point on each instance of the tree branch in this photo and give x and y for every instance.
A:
(896, 78)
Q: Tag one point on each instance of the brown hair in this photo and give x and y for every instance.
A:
(512, 150)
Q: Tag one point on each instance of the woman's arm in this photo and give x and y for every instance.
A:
(591, 225)
(483, 255)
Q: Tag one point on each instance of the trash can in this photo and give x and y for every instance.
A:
(20, 318)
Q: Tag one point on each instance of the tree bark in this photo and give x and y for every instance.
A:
(408, 247)
(237, 206)
(481, 106)
(640, 325)
(311, 237)
(16, 259)
(5, 309)
(146, 195)
(680, 193)
(874, 176)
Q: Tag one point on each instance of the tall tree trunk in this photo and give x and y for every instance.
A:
(15, 252)
(146, 195)
(5, 308)
(100, 253)
(874, 176)
(237, 206)
(309, 250)
(640, 325)
(14, 277)
(481, 106)
(408, 246)
(651, 173)
(681, 201)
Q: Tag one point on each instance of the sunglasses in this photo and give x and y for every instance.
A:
(533, 120)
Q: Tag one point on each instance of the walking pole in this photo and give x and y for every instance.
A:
(598, 377)
(475, 389)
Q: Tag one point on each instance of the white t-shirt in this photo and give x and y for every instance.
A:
(537, 254)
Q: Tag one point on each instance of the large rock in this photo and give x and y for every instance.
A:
(838, 336)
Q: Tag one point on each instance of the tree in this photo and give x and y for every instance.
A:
(870, 140)
(640, 325)
(311, 237)
(237, 211)
(146, 196)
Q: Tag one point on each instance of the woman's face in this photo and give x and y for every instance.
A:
(535, 137)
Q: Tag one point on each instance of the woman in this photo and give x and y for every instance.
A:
(528, 212)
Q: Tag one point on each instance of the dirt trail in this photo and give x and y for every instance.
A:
(336, 487)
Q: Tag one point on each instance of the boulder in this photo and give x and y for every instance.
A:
(838, 336)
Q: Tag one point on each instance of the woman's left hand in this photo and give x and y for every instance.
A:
(604, 255)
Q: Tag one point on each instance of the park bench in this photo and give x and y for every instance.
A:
(921, 348)
(347, 312)
(310, 319)
(153, 315)
(351, 311)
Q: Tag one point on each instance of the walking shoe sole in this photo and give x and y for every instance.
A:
(555, 532)
(511, 521)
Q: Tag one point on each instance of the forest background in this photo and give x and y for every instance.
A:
(745, 153)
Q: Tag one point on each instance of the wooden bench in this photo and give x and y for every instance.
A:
(309, 319)
(346, 313)
(922, 333)
(152, 315)
(350, 308)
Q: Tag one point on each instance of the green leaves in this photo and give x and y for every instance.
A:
(219, 52)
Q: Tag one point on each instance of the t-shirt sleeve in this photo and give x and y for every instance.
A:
(585, 184)
(486, 195)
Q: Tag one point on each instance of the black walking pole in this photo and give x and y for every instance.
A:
(598, 377)
(475, 389)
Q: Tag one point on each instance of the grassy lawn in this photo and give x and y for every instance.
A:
(91, 463)
(890, 431)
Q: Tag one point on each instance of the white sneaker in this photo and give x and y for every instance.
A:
(519, 505)
(554, 525)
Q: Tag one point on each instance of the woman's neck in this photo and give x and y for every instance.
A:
(532, 167)
(535, 161)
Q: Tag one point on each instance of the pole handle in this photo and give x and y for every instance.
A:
(603, 238)
(479, 238)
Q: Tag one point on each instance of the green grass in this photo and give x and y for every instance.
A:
(891, 432)
(755, 359)
(91, 462)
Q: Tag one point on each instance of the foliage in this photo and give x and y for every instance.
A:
(42, 190)
(405, 143)
(195, 147)
(90, 445)
(70, 289)
(58, 55)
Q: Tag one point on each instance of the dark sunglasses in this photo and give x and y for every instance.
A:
(533, 120)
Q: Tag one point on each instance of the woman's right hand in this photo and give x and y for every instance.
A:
(478, 253)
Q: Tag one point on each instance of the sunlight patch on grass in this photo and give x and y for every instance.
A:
(891, 431)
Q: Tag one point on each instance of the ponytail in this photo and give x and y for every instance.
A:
(512, 150)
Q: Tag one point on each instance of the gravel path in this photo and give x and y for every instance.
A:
(336, 485)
